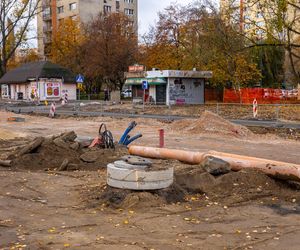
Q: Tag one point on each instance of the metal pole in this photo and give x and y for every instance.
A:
(277, 112)
(161, 138)
(144, 100)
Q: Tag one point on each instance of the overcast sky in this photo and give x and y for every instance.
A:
(148, 10)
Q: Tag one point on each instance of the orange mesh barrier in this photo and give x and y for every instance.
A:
(262, 95)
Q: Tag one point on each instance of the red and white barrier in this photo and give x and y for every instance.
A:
(255, 105)
(64, 99)
(52, 110)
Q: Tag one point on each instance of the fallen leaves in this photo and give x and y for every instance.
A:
(52, 230)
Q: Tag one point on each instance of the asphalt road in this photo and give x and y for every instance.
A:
(44, 110)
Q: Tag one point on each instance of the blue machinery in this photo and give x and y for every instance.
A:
(126, 139)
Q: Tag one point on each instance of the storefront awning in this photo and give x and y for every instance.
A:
(151, 81)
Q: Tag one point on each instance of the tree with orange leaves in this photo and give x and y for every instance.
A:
(193, 37)
(109, 48)
(66, 44)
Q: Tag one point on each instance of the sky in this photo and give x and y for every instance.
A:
(148, 11)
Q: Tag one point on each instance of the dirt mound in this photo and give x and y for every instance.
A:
(120, 198)
(8, 135)
(62, 153)
(231, 189)
(235, 187)
(211, 123)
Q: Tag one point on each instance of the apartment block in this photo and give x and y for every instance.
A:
(249, 15)
(53, 11)
(253, 18)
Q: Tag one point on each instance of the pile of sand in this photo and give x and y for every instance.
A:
(8, 135)
(211, 123)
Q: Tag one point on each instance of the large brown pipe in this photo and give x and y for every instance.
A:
(278, 169)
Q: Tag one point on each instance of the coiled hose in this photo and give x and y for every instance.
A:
(106, 137)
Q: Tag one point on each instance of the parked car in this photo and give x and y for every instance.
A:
(127, 93)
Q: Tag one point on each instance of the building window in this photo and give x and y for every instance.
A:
(128, 1)
(106, 9)
(260, 24)
(60, 9)
(72, 6)
(117, 5)
(128, 12)
(247, 26)
(259, 15)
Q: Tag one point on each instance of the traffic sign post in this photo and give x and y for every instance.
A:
(79, 81)
(145, 85)
(79, 78)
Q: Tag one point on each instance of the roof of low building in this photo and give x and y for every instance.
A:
(40, 69)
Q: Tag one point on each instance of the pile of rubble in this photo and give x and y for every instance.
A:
(60, 152)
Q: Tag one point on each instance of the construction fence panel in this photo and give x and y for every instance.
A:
(262, 95)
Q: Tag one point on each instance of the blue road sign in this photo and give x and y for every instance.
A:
(80, 78)
(145, 84)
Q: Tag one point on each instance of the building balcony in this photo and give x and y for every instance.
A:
(47, 29)
(46, 17)
(46, 3)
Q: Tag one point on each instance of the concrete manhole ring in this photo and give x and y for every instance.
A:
(125, 165)
(139, 179)
(136, 160)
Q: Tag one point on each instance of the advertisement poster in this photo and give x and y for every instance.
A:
(53, 89)
(33, 93)
(4, 90)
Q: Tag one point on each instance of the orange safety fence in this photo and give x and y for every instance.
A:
(262, 95)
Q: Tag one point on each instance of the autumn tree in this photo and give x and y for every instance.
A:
(270, 61)
(273, 25)
(23, 55)
(15, 18)
(110, 46)
(66, 44)
(164, 41)
(197, 37)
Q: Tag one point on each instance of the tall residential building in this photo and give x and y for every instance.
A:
(249, 15)
(53, 11)
(255, 18)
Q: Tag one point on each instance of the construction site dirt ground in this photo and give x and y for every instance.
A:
(74, 209)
